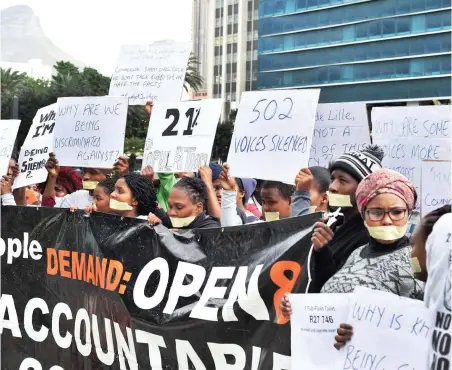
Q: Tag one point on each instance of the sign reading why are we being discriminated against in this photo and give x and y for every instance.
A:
(90, 131)
(389, 332)
(36, 148)
(106, 292)
(8, 134)
(339, 128)
(410, 135)
(180, 135)
(151, 72)
(273, 134)
(436, 185)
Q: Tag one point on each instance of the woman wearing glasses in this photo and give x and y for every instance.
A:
(385, 200)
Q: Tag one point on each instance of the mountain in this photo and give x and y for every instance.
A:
(22, 38)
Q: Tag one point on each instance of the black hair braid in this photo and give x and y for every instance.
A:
(144, 193)
(108, 185)
(430, 219)
(286, 190)
(375, 150)
(322, 176)
(195, 188)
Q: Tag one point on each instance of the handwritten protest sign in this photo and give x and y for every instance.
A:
(8, 133)
(389, 332)
(410, 135)
(339, 128)
(150, 72)
(36, 148)
(89, 131)
(273, 134)
(314, 322)
(436, 185)
(180, 135)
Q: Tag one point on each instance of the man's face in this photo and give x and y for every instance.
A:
(94, 174)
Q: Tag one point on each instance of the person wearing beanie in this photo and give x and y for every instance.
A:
(245, 189)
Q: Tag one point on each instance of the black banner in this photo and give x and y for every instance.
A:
(104, 292)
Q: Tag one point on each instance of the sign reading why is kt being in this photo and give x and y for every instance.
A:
(180, 135)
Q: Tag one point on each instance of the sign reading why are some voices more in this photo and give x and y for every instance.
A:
(180, 135)
(36, 148)
(410, 135)
(339, 128)
(8, 133)
(273, 134)
(389, 332)
(314, 322)
(436, 185)
(90, 131)
(151, 72)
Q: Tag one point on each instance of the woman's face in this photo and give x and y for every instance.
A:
(342, 183)
(218, 188)
(94, 174)
(273, 201)
(102, 200)
(181, 206)
(386, 210)
(417, 241)
(122, 193)
(318, 199)
(60, 191)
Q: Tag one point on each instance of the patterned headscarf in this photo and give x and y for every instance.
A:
(382, 182)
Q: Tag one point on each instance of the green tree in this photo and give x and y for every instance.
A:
(193, 79)
(11, 81)
(223, 136)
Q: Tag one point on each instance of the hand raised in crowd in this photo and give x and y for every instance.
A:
(227, 181)
(14, 172)
(52, 166)
(6, 185)
(286, 307)
(205, 172)
(321, 236)
(148, 172)
(148, 107)
(121, 167)
(304, 179)
(344, 334)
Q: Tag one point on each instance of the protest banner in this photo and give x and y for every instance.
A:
(389, 332)
(8, 134)
(314, 323)
(211, 297)
(151, 72)
(410, 135)
(181, 134)
(436, 185)
(36, 148)
(90, 131)
(339, 128)
(273, 134)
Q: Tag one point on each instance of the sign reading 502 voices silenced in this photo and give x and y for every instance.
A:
(180, 135)
(273, 134)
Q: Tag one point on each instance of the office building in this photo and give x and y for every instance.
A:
(225, 34)
(357, 50)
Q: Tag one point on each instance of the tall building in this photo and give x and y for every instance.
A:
(357, 50)
(225, 34)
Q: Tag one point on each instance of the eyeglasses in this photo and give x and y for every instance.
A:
(376, 214)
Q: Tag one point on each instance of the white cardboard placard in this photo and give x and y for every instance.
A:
(273, 134)
(436, 185)
(90, 131)
(181, 134)
(8, 134)
(151, 72)
(339, 128)
(36, 148)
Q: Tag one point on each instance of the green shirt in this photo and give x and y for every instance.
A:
(167, 181)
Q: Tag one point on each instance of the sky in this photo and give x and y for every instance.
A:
(102, 26)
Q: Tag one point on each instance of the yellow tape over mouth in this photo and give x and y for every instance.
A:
(271, 216)
(90, 185)
(120, 206)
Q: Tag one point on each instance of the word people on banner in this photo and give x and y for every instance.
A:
(151, 72)
(410, 135)
(90, 131)
(180, 135)
(389, 332)
(314, 322)
(8, 134)
(36, 148)
(436, 185)
(273, 134)
(339, 128)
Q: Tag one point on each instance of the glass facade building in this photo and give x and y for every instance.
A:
(357, 50)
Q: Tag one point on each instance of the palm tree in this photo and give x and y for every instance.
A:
(193, 79)
(11, 80)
